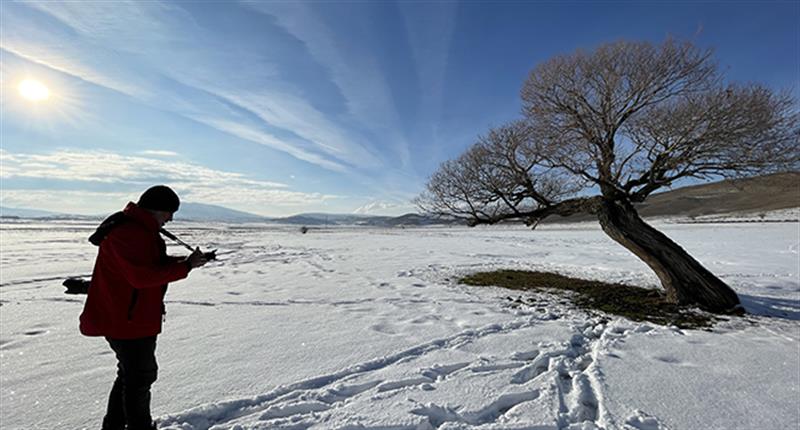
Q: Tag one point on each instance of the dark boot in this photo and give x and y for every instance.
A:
(152, 426)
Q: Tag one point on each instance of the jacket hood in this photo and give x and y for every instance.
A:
(142, 216)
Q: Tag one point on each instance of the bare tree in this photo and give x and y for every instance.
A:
(602, 130)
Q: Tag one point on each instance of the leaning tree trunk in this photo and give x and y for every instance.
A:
(685, 280)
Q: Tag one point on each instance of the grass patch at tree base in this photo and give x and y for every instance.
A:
(635, 303)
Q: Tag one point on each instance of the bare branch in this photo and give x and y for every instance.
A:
(631, 115)
(502, 176)
(627, 117)
(733, 131)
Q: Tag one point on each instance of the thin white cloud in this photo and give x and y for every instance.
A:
(253, 199)
(102, 51)
(108, 167)
(356, 74)
(191, 181)
(384, 208)
(159, 153)
(248, 133)
(262, 202)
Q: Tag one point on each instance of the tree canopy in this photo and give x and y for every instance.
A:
(604, 129)
(624, 120)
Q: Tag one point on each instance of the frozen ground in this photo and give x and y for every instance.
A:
(367, 329)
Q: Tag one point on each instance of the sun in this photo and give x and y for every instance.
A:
(33, 90)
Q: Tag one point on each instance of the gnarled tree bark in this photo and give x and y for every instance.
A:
(685, 280)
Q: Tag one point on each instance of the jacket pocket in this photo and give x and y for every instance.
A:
(134, 298)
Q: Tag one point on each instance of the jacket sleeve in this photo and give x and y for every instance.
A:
(175, 258)
(134, 258)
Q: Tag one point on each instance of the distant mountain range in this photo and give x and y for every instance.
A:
(202, 212)
(761, 193)
(188, 211)
(27, 213)
(205, 212)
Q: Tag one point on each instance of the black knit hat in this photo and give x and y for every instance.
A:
(159, 198)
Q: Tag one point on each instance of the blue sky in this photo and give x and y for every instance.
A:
(279, 108)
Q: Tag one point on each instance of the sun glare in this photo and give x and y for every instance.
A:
(33, 90)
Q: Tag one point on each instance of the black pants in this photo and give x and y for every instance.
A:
(129, 401)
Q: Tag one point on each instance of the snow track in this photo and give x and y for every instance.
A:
(561, 374)
(206, 416)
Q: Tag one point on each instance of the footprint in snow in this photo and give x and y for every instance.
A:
(439, 371)
(430, 375)
(525, 355)
(343, 392)
(384, 328)
(531, 371)
(385, 285)
(495, 367)
(293, 410)
(425, 319)
(438, 415)
(642, 421)
(396, 385)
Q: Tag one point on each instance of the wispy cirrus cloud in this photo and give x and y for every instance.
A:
(300, 80)
(354, 67)
(344, 40)
(248, 133)
(430, 32)
(95, 46)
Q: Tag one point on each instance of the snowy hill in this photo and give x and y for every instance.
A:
(760, 193)
(206, 212)
(758, 198)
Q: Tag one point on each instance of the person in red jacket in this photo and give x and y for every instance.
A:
(125, 302)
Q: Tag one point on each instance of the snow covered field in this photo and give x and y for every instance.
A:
(353, 328)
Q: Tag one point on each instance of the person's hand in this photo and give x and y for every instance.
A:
(196, 259)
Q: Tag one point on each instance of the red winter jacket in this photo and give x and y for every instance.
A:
(131, 272)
